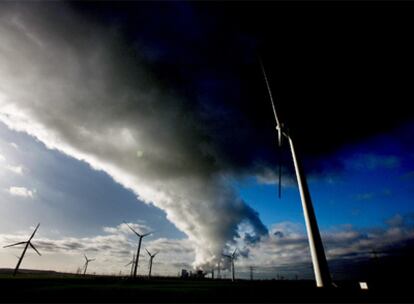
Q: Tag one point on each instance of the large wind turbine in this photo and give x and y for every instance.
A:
(320, 266)
(152, 256)
(28, 243)
(140, 236)
(87, 263)
(231, 257)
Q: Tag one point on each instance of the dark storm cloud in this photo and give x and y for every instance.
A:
(334, 85)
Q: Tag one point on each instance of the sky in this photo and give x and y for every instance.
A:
(157, 115)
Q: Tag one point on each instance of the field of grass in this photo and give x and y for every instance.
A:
(71, 288)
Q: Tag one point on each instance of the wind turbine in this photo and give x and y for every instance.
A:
(251, 272)
(28, 243)
(152, 256)
(140, 236)
(320, 265)
(86, 263)
(132, 263)
(231, 257)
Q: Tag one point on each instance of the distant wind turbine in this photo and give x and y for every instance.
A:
(152, 256)
(231, 257)
(140, 236)
(132, 263)
(251, 272)
(87, 263)
(28, 243)
(320, 265)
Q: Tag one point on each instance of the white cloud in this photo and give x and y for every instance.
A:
(14, 145)
(269, 176)
(123, 228)
(369, 161)
(16, 169)
(22, 192)
(85, 96)
(285, 250)
(111, 252)
(287, 246)
(2, 158)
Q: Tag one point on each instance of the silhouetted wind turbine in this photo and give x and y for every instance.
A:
(320, 265)
(251, 272)
(140, 236)
(132, 263)
(152, 256)
(231, 257)
(86, 263)
(28, 243)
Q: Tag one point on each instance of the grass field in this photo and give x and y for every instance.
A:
(41, 288)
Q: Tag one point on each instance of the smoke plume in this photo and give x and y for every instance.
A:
(78, 87)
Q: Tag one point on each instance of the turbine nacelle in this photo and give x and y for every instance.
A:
(231, 256)
(151, 255)
(138, 234)
(88, 260)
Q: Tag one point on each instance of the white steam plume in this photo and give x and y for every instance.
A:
(77, 87)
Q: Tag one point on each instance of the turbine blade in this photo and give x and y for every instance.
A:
(37, 227)
(133, 230)
(19, 243)
(144, 235)
(91, 260)
(278, 128)
(86, 258)
(279, 137)
(148, 252)
(234, 253)
(34, 248)
(271, 96)
(128, 264)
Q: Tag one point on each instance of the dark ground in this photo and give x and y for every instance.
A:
(40, 288)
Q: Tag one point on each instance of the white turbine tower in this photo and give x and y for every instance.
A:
(320, 266)
(28, 243)
(231, 257)
(140, 236)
